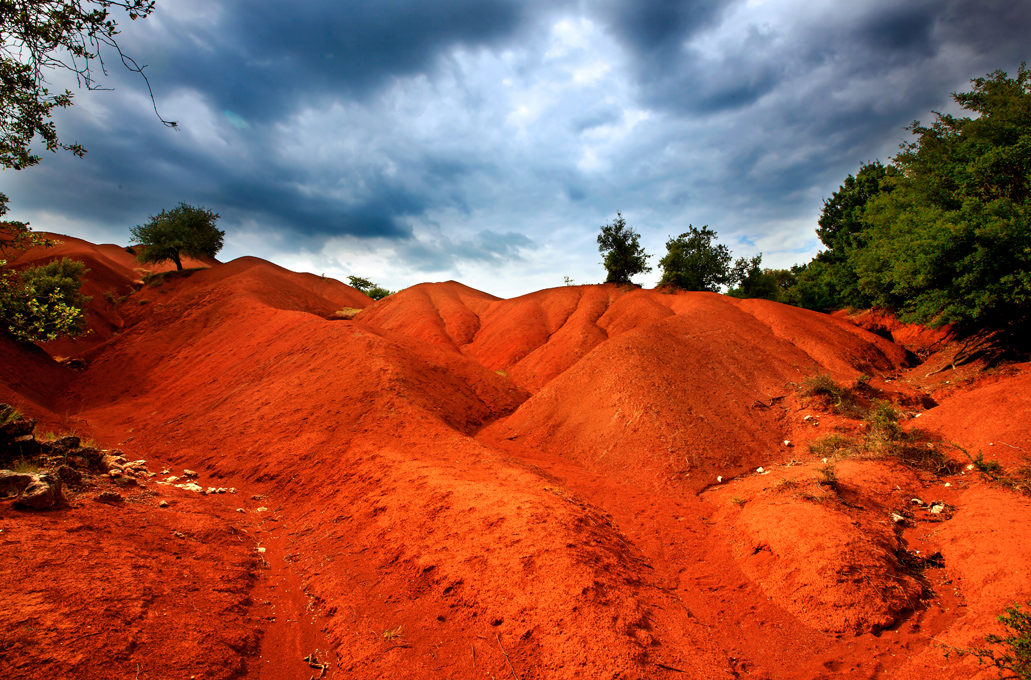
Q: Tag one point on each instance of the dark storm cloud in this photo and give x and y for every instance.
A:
(262, 57)
(462, 135)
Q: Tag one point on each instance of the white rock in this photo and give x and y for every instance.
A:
(719, 479)
(787, 442)
(261, 550)
(937, 508)
(947, 484)
(261, 510)
(759, 470)
(240, 510)
(210, 491)
(970, 466)
(163, 504)
(172, 480)
(896, 517)
(232, 489)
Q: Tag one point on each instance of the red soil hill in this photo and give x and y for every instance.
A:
(455, 485)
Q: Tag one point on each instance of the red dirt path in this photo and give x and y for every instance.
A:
(455, 485)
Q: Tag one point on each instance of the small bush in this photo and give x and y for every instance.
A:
(989, 469)
(883, 420)
(829, 474)
(822, 387)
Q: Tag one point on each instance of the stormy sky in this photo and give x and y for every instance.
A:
(488, 140)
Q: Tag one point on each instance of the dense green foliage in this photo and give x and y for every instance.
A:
(183, 230)
(943, 234)
(37, 36)
(624, 256)
(751, 280)
(37, 303)
(373, 290)
(43, 303)
(694, 262)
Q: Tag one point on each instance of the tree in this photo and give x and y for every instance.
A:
(694, 262)
(951, 242)
(37, 36)
(624, 256)
(183, 230)
(373, 290)
(751, 280)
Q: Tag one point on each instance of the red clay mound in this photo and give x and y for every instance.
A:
(443, 314)
(688, 397)
(30, 380)
(805, 541)
(453, 485)
(992, 418)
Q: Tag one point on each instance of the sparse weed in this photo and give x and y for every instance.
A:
(738, 501)
(829, 474)
(25, 465)
(989, 469)
(841, 399)
(503, 374)
(9, 414)
(833, 446)
(393, 633)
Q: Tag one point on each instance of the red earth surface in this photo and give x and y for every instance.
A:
(562, 485)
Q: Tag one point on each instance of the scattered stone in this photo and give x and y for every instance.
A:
(210, 491)
(896, 517)
(178, 534)
(13, 483)
(166, 472)
(114, 472)
(109, 462)
(108, 497)
(190, 486)
(172, 480)
(262, 509)
(69, 476)
(124, 480)
(189, 473)
(43, 493)
(232, 489)
(163, 504)
(917, 501)
(240, 510)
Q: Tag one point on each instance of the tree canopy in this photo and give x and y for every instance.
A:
(694, 262)
(624, 257)
(943, 234)
(38, 36)
(373, 290)
(183, 230)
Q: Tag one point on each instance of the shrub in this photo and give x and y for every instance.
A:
(42, 303)
(1015, 655)
(841, 399)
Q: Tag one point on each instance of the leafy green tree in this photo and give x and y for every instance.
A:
(753, 281)
(183, 230)
(37, 36)
(373, 290)
(951, 242)
(37, 303)
(694, 262)
(624, 257)
(41, 303)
